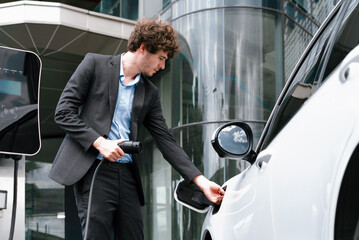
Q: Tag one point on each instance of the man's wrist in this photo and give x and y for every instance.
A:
(97, 142)
(200, 181)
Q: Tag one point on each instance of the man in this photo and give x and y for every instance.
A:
(104, 103)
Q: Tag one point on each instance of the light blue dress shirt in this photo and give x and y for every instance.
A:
(121, 122)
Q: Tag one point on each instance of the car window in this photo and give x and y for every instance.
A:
(347, 40)
(301, 87)
(306, 81)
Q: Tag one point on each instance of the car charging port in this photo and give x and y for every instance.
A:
(217, 207)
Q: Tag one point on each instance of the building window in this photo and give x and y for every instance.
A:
(165, 3)
(119, 8)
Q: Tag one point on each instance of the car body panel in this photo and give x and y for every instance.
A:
(291, 191)
(236, 218)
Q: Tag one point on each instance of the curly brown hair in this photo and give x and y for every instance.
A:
(156, 35)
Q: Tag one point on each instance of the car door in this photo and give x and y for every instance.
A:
(249, 203)
(296, 150)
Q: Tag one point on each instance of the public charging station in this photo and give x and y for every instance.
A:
(20, 73)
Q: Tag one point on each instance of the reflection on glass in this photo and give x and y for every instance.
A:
(19, 80)
(302, 86)
(233, 139)
(44, 204)
(230, 67)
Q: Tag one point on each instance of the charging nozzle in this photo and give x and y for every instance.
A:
(131, 147)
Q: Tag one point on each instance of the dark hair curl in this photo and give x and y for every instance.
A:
(156, 35)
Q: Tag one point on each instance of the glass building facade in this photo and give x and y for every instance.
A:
(235, 58)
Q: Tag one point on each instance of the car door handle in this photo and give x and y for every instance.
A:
(263, 161)
(352, 57)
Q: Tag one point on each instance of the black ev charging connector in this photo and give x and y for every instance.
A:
(129, 147)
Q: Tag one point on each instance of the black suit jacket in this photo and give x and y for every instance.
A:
(85, 111)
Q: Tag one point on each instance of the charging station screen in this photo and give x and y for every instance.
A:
(19, 83)
(10, 87)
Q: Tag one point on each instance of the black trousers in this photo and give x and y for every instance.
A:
(115, 204)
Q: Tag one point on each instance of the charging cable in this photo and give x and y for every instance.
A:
(90, 199)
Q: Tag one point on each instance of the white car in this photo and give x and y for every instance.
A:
(303, 181)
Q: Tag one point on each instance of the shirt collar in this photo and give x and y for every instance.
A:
(122, 76)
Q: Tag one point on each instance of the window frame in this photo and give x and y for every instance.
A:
(338, 9)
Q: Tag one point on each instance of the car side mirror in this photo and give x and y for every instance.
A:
(234, 140)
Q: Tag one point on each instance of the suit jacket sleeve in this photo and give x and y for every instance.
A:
(174, 154)
(71, 99)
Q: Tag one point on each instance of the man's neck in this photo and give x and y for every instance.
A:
(129, 66)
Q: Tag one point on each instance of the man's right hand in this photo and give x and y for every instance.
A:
(109, 149)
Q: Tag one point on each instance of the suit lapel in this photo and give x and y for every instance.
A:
(137, 105)
(114, 74)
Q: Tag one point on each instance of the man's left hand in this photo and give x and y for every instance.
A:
(212, 190)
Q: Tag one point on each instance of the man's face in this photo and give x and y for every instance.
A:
(153, 62)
